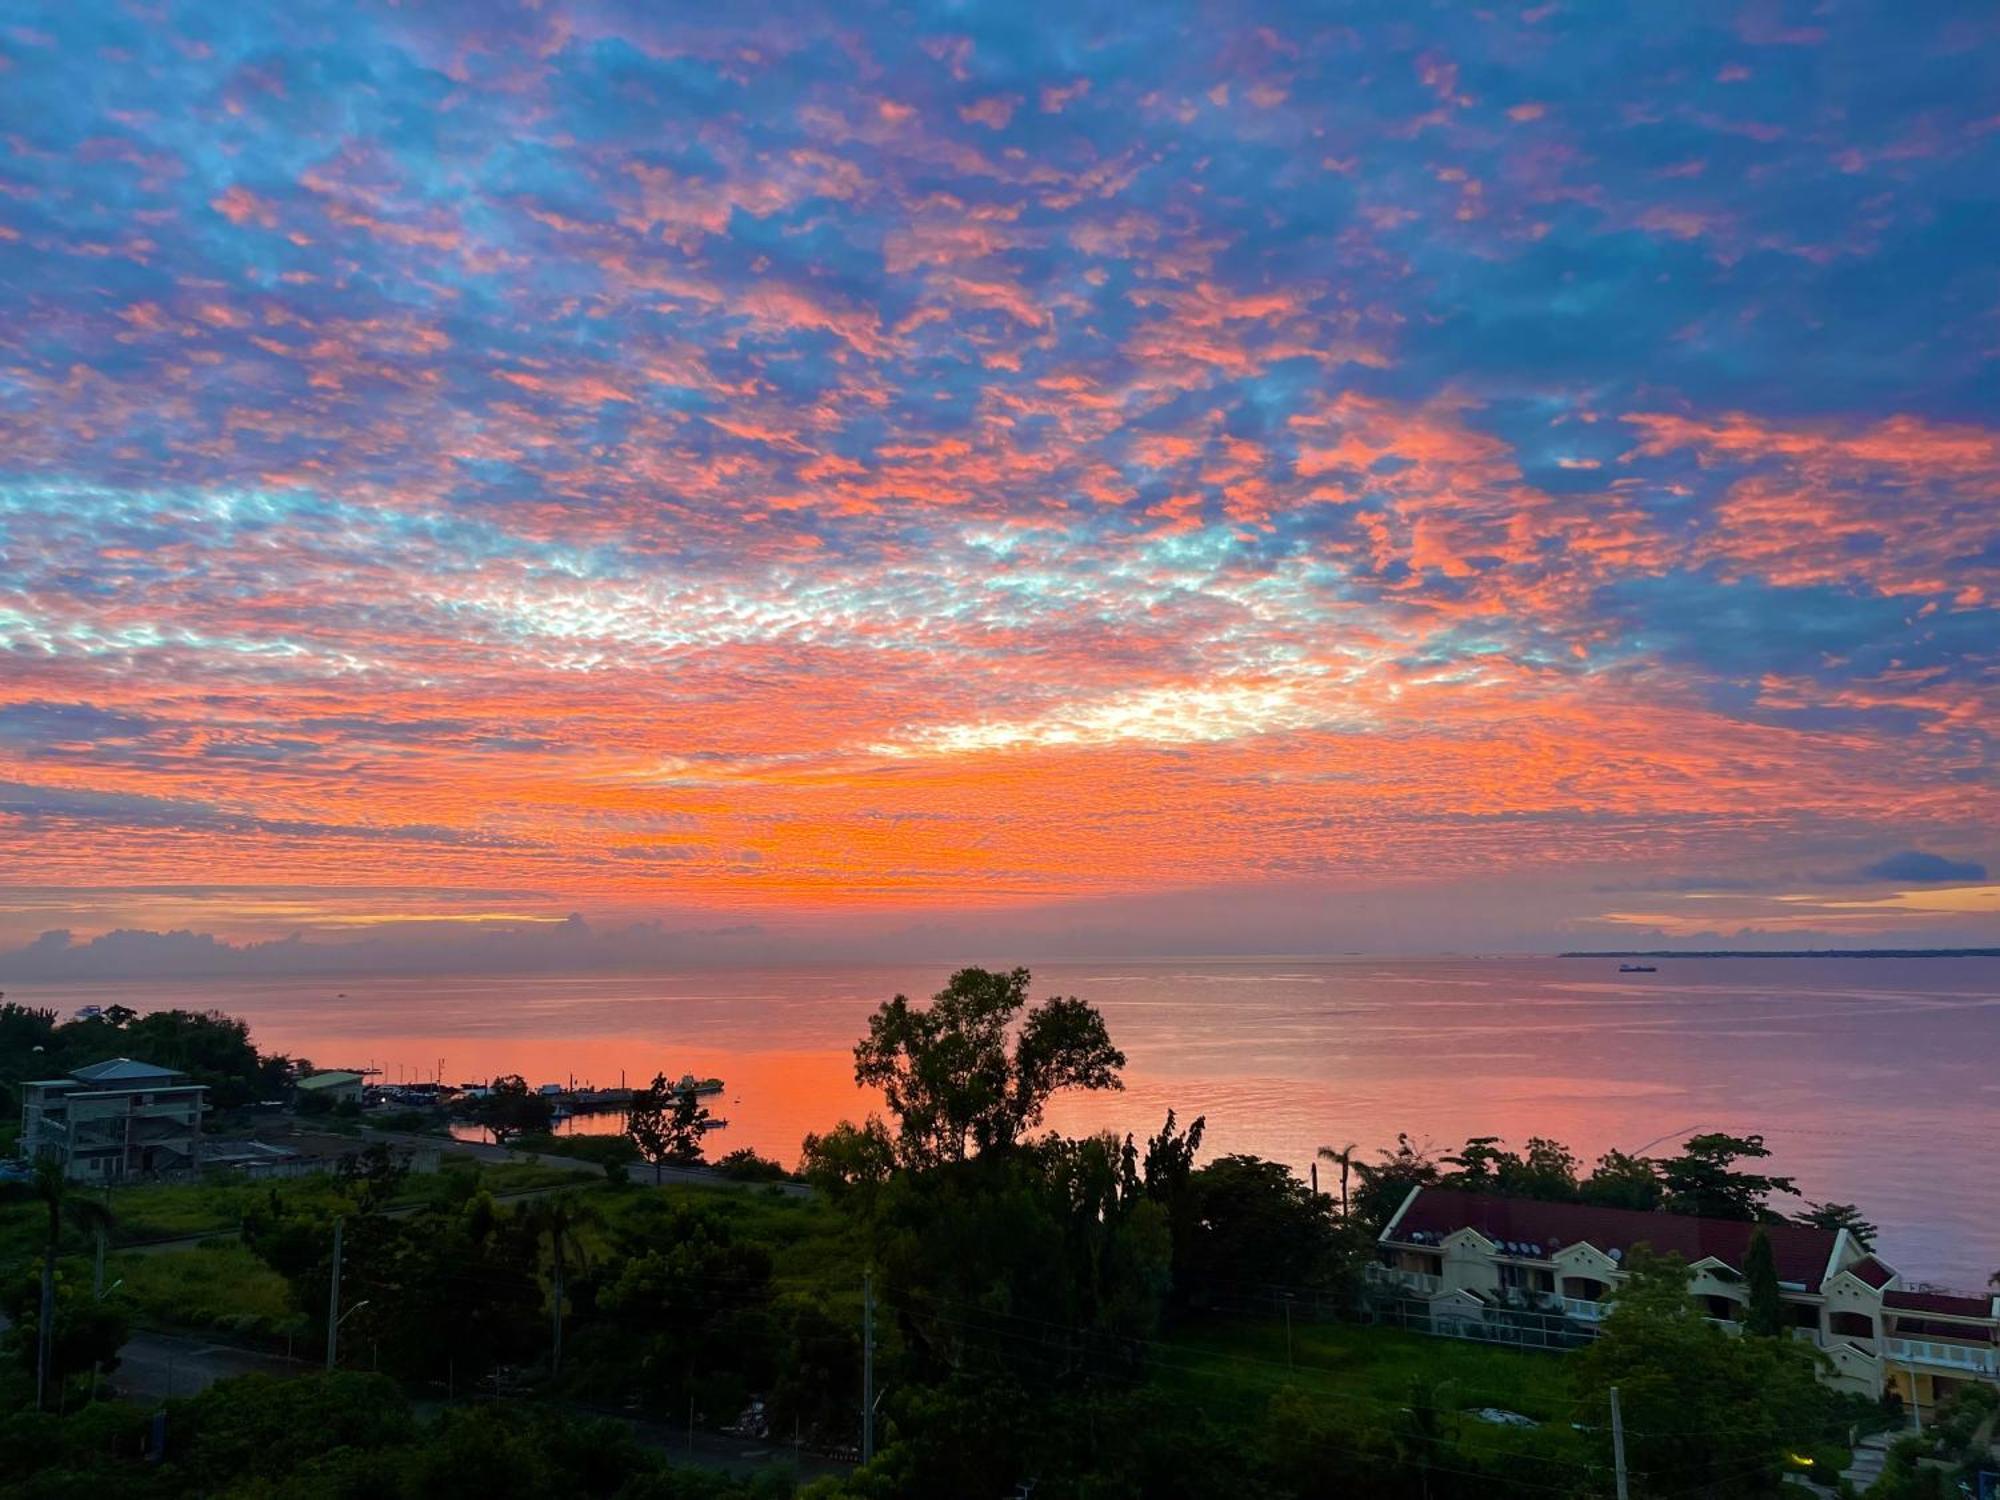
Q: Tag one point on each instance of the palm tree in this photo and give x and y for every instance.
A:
(1344, 1159)
(557, 1219)
(59, 1197)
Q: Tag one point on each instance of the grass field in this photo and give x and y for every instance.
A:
(219, 1285)
(164, 1211)
(1356, 1382)
(809, 1241)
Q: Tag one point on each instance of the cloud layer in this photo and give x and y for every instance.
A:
(835, 458)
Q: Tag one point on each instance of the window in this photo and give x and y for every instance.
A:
(1852, 1325)
(1802, 1315)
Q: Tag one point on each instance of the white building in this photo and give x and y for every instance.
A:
(114, 1120)
(1468, 1256)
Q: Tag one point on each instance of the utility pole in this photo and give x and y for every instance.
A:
(556, 1312)
(45, 1333)
(1288, 1330)
(97, 1275)
(867, 1366)
(1618, 1443)
(333, 1299)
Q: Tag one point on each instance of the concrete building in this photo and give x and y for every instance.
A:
(115, 1120)
(1473, 1258)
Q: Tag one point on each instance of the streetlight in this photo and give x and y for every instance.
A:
(333, 1333)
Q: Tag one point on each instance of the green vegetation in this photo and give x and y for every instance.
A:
(1102, 1318)
(1940, 1463)
(666, 1124)
(1703, 1410)
(510, 1109)
(326, 1437)
(219, 1285)
(1765, 1314)
(605, 1150)
(1702, 1179)
(211, 1048)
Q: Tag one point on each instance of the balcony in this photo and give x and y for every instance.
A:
(1582, 1310)
(1975, 1359)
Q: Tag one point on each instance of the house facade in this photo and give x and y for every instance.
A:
(115, 1120)
(334, 1086)
(1470, 1258)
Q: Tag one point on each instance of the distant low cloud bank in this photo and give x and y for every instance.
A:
(570, 944)
(1917, 865)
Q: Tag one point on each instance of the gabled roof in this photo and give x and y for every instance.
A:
(1544, 1228)
(1940, 1302)
(125, 1070)
(332, 1078)
(1871, 1271)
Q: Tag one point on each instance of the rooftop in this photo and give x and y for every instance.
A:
(1872, 1271)
(1940, 1302)
(125, 1070)
(332, 1078)
(1541, 1229)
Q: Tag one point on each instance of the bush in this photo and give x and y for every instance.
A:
(745, 1165)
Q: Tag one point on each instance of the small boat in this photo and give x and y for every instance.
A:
(1637, 969)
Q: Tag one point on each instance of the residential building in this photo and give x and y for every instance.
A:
(1472, 1259)
(114, 1120)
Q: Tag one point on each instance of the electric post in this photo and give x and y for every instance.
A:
(1618, 1443)
(867, 1366)
(333, 1300)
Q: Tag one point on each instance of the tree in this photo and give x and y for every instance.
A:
(1838, 1216)
(85, 1331)
(745, 1165)
(687, 1124)
(1547, 1170)
(511, 1108)
(1344, 1159)
(1255, 1224)
(1702, 1180)
(59, 1198)
(1766, 1313)
(373, 1175)
(1623, 1181)
(1704, 1412)
(555, 1221)
(665, 1124)
(1386, 1183)
(948, 1075)
(1480, 1165)
(849, 1158)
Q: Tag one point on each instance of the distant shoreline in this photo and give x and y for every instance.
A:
(1781, 953)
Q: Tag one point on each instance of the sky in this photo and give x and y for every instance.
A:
(640, 481)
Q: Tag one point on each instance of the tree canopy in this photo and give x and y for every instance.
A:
(970, 1072)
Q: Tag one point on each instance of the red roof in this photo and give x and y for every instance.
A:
(1801, 1253)
(1872, 1271)
(1940, 1302)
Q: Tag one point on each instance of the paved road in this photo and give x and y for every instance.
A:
(161, 1366)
